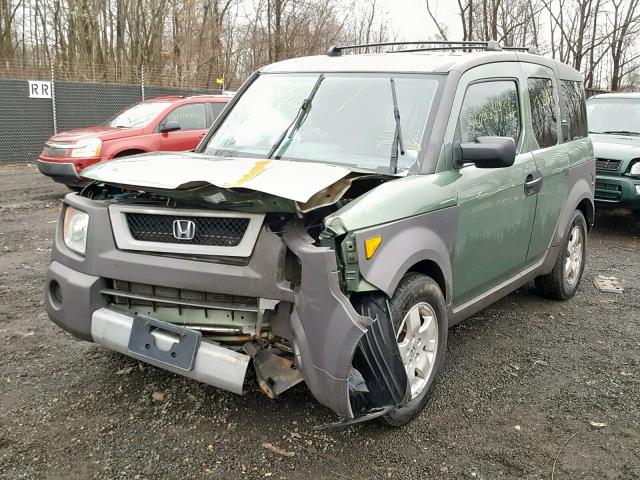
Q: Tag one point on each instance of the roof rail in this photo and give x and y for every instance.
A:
(532, 50)
(422, 46)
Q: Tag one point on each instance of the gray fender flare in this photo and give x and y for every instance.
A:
(406, 242)
(326, 328)
(581, 187)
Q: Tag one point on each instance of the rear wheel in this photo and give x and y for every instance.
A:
(419, 316)
(563, 281)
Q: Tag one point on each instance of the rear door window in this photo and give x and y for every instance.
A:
(190, 117)
(574, 111)
(490, 109)
(543, 111)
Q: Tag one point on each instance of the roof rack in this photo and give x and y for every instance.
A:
(531, 50)
(425, 46)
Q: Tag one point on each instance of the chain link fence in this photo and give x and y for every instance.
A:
(68, 97)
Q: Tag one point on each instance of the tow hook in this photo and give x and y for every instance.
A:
(275, 373)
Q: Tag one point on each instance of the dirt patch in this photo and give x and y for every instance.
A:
(520, 378)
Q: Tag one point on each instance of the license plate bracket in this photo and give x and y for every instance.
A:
(164, 342)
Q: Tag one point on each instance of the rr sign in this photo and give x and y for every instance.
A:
(39, 89)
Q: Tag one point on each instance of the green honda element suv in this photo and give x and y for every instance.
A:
(340, 215)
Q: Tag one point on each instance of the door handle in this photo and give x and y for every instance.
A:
(533, 183)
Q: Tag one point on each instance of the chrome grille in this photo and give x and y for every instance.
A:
(126, 293)
(177, 231)
(209, 231)
(606, 164)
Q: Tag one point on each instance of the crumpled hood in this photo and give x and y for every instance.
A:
(616, 147)
(297, 181)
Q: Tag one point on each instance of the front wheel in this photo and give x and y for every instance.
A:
(563, 281)
(419, 317)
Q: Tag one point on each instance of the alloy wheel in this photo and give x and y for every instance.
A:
(418, 344)
(573, 260)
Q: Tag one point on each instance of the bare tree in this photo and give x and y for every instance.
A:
(8, 11)
(442, 28)
(193, 42)
(625, 28)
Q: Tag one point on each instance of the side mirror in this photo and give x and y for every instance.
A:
(170, 126)
(489, 152)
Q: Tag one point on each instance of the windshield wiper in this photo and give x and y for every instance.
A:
(397, 134)
(620, 132)
(297, 121)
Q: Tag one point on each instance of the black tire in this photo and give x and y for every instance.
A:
(556, 284)
(415, 288)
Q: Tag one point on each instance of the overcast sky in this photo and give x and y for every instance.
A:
(409, 18)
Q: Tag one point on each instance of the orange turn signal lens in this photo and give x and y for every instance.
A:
(371, 245)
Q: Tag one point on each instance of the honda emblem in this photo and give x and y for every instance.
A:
(184, 229)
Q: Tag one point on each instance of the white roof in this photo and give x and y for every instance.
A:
(411, 62)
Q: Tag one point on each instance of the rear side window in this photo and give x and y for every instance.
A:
(490, 109)
(543, 111)
(190, 117)
(574, 111)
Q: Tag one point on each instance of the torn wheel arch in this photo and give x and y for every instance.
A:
(327, 329)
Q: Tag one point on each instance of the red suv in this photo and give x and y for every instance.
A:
(162, 123)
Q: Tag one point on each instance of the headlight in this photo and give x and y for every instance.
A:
(87, 148)
(635, 168)
(75, 230)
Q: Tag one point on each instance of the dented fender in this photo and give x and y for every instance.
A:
(349, 361)
(326, 328)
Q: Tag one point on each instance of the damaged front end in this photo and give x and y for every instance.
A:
(349, 359)
(266, 281)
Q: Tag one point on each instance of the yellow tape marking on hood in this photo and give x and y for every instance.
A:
(259, 167)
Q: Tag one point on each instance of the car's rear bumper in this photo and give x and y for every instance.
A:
(622, 191)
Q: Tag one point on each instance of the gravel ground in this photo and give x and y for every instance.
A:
(521, 379)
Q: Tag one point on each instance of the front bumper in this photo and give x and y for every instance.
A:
(323, 326)
(74, 303)
(622, 191)
(62, 172)
(214, 365)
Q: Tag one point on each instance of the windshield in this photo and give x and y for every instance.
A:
(345, 119)
(137, 116)
(614, 115)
